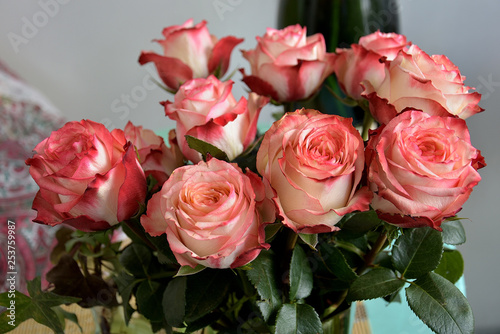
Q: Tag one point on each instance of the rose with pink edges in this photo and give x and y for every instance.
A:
(314, 162)
(89, 177)
(213, 214)
(190, 51)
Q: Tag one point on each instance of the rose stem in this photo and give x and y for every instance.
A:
(370, 256)
(367, 123)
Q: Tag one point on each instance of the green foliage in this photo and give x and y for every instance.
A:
(451, 266)
(263, 277)
(336, 262)
(301, 277)
(205, 149)
(299, 319)
(39, 306)
(375, 284)
(453, 232)
(417, 251)
(440, 304)
(174, 301)
(136, 259)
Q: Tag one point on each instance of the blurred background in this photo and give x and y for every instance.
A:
(82, 56)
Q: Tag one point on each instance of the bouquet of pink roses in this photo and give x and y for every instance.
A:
(224, 228)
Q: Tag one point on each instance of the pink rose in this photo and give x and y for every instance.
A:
(189, 51)
(314, 162)
(421, 168)
(89, 178)
(419, 81)
(364, 61)
(287, 65)
(212, 214)
(206, 109)
(155, 157)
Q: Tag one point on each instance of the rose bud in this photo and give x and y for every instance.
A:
(287, 65)
(155, 157)
(89, 178)
(189, 51)
(314, 162)
(206, 109)
(212, 214)
(421, 168)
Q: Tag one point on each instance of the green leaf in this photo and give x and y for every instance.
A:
(271, 230)
(149, 297)
(440, 305)
(451, 266)
(417, 251)
(336, 263)
(299, 319)
(125, 285)
(21, 302)
(49, 299)
(359, 224)
(453, 232)
(174, 301)
(38, 306)
(309, 239)
(187, 270)
(301, 277)
(205, 148)
(165, 255)
(68, 315)
(376, 283)
(262, 276)
(205, 291)
(136, 259)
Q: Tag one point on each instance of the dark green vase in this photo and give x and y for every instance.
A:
(342, 22)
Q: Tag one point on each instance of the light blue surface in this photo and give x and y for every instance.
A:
(397, 318)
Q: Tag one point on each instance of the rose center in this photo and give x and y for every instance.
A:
(432, 146)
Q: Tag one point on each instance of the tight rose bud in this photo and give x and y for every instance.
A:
(365, 61)
(287, 65)
(421, 168)
(189, 51)
(89, 178)
(212, 214)
(155, 157)
(419, 81)
(206, 109)
(314, 162)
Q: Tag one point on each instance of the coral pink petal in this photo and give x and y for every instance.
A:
(172, 71)
(221, 54)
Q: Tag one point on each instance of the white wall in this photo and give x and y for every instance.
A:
(82, 54)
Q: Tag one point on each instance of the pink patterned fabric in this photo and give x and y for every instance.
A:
(26, 118)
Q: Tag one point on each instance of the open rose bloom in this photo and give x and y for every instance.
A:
(287, 65)
(189, 51)
(419, 81)
(212, 214)
(89, 177)
(421, 168)
(314, 162)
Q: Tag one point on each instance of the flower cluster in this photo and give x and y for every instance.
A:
(220, 192)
